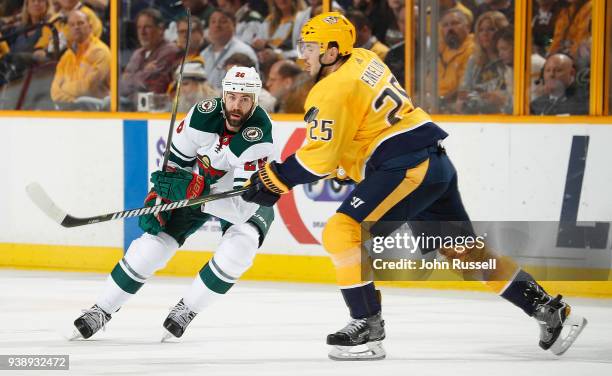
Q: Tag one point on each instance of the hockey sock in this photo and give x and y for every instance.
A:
(208, 286)
(144, 256)
(362, 301)
(121, 285)
(112, 297)
(524, 292)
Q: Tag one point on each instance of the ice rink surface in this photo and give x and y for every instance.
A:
(279, 329)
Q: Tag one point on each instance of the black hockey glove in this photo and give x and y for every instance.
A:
(265, 186)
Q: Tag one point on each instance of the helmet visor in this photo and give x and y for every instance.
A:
(307, 49)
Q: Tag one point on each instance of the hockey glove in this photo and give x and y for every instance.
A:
(178, 184)
(265, 186)
(153, 223)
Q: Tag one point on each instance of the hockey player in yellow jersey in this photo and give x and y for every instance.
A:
(362, 126)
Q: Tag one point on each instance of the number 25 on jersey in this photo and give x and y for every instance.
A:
(321, 130)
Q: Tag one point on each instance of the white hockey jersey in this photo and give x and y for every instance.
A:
(201, 141)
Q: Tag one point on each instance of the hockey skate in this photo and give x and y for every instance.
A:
(360, 339)
(559, 327)
(175, 324)
(90, 322)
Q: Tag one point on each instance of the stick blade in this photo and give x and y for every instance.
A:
(41, 199)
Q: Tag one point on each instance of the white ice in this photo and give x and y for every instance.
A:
(279, 329)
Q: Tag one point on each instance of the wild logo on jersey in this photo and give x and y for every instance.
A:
(207, 106)
(207, 170)
(252, 134)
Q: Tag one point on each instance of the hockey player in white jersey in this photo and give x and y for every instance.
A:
(218, 146)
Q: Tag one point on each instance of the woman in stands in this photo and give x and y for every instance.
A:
(34, 41)
(479, 92)
(276, 31)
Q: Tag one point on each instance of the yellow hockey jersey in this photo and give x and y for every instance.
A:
(363, 114)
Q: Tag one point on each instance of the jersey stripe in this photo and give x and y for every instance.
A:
(173, 149)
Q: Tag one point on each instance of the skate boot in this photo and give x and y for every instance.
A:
(559, 327)
(179, 317)
(360, 339)
(90, 322)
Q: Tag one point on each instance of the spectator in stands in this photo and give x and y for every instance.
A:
(83, 70)
(396, 56)
(194, 87)
(365, 39)
(199, 8)
(456, 4)
(266, 100)
(26, 42)
(472, 5)
(99, 5)
(375, 11)
(545, 15)
(248, 21)
(506, 7)
(266, 64)
(560, 95)
(483, 81)
(289, 85)
(304, 15)
(66, 6)
(381, 15)
(223, 44)
(4, 48)
(455, 48)
(275, 33)
(536, 75)
(196, 42)
(367, 7)
(5, 68)
(582, 61)
(151, 67)
(504, 43)
(573, 27)
(9, 8)
(34, 41)
(282, 76)
(238, 59)
(388, 29)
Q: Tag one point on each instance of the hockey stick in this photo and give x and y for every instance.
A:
(177, 94)
(41, 199)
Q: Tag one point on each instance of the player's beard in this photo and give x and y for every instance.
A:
(234, 122)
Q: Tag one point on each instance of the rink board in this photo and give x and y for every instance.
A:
(93, 166)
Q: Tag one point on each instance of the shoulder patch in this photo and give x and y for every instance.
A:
(252, 134)
(207, 106)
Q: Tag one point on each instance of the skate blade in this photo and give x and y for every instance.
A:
(168, 337)
(369, 351)
(75, 335)
(71, 334)
(572, 327)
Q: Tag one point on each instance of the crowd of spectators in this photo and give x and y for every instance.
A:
(55, 51)
(70, 39)
(475, 60)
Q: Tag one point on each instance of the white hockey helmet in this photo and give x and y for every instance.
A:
(242, 80)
